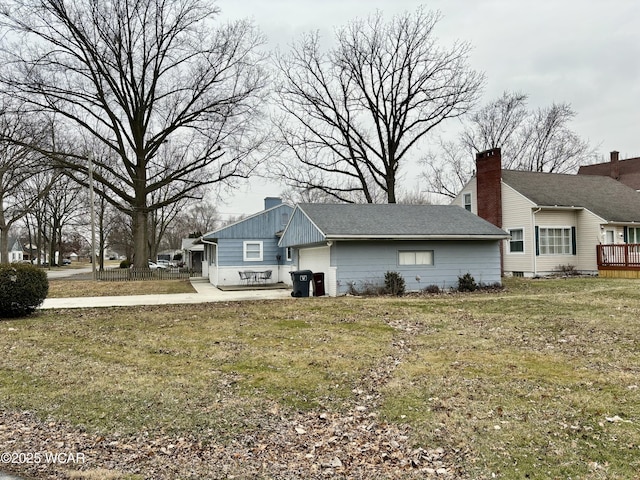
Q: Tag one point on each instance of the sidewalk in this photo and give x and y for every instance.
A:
(205, 293)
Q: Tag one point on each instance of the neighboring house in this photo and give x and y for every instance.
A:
(555, 221)
(427, 244)
(625, 171)
(31, 253)
(250, 245)
(192, 253)
(169, 255)
(16, 252)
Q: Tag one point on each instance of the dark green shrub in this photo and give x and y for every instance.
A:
(394, 283)
(466, 283)
(431, 289)
(125, 264)
(23, 288)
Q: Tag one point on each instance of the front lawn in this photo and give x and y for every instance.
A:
(540, 381)
(65, 288)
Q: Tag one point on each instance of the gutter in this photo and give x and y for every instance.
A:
(559, 207)
(533, 232)
(416, 237)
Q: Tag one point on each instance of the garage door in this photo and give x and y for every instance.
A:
(315, 259)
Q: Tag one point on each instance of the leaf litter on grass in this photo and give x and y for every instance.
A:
(465, 386)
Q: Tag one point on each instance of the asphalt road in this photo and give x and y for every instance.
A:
(67, 272)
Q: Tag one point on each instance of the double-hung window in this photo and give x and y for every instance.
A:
(466, 199)
(516, 243)
(252, 251)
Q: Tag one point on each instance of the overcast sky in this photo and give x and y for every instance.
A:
(583, 52)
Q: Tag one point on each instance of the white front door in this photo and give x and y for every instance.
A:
(610, 237)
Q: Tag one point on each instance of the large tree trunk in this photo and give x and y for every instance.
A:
(140, 238)
(4, 233)
(4, 251)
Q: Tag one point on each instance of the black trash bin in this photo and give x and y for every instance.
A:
(301, 280)
(318, 284)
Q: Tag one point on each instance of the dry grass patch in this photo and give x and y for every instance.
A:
(94, 288)
(539, 382)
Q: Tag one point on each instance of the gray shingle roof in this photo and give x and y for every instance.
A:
(604, 196)
(393, 220)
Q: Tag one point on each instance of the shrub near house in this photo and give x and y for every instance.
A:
(23, 288)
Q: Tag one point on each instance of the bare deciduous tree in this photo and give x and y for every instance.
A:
(63, 205)
(194, 219)
(499, 125)
(533, 140)
(132, 75)
(17, 164)
(354, 115)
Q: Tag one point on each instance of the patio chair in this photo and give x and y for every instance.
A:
(264, 276)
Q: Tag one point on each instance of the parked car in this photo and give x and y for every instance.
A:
(154, 266)
(166, 263)
(66, 261)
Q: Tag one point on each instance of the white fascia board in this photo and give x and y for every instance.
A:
(416, 237)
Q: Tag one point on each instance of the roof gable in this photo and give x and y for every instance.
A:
(604, 196)
(264, 224)
(371, 221)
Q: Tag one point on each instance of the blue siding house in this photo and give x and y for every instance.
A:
(249, 247)
(427, 244)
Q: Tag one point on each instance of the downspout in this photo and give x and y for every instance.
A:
(533, 225)
(216, 261)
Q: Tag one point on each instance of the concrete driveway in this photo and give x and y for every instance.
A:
(205, 293)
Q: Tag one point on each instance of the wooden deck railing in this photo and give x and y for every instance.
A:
(136, 274)
(624, 256)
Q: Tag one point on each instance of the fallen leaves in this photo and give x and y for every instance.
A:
(314, 445)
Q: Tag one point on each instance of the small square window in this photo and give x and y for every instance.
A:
(252, 251)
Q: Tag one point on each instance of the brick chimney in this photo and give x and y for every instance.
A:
(488, 185)
(614, 167)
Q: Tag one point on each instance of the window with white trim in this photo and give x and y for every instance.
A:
(289, 253)
(252, 251)
(516, 242)
(415, 257)
(555, 241)
(466, 200)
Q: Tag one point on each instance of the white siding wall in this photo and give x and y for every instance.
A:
(468, 188)
(548, 264)
(284, 273)
(589, 234)
(230, 275)
(517, 213)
